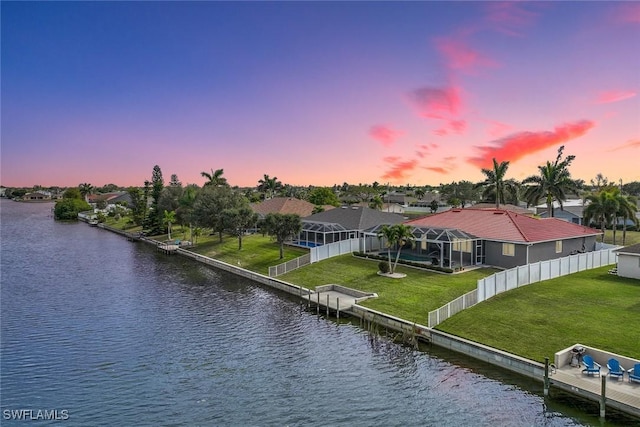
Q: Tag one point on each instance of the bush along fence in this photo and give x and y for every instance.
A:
(521, 276)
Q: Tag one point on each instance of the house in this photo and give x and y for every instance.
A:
(285, 205)
(507, 207)
(497, 237)
(110, 199)
(37, 196)
(346, 222)
(571, 211)
(629, 261)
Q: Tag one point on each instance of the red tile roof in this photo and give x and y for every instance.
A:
(503, 225)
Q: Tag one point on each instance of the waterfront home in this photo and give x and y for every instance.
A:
(37, 196)
(346, 222)
(110, 199)
(285, 205)
(497, 237)
(629, 261)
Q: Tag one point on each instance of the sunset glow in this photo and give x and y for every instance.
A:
(316, 93)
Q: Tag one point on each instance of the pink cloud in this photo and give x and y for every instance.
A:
(509, 17)
(628, 13)
(630, 144)
(437, 102)
(614, 96)
(461, 57)
(516, 146)
(399, 170)
(384, 134)
(437, 170)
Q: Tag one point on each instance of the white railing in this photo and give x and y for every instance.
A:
(521, 276)
(449, 309)
(288, 266)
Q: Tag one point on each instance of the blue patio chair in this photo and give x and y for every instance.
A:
(590, 365)
(634, 373)
(615, 369)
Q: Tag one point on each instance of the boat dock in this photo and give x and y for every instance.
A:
(336, 298)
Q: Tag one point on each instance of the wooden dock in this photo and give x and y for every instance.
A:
(167, 248)
(619, 394)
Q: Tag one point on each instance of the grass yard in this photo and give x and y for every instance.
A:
(410, 298)
(632, 238)
(258, 252)
(592, 308)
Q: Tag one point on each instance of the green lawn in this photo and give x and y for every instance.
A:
(258, 252)
(410, 298)
(592, 308)
(632, 237)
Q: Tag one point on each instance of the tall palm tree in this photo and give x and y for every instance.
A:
(627, 208)
(85, 190)
(169, 218)
(601, 208)
(495, 185)
(269, 186)
(553, 183)
(403, 236)
(215, 178)
(388, 233)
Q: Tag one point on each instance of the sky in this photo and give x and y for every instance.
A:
(316, 93)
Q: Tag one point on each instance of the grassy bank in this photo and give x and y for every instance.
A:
(593, 308)
(410, 298)
(632, 237)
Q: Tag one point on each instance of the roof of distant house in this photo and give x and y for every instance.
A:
(504, 225)
(630, 250)
(285, 205)
(355, 217)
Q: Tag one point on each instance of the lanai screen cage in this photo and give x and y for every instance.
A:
(444, 247)
(321, 233)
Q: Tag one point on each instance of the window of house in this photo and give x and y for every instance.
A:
(508, 249)
(462, 246)
(559, 246)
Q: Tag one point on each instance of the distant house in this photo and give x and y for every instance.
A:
(497, 237)
(571, 211)
(508, 207)
(629, 261)
(285, 205)
(37, 196)
(111, 199)
(346, 222)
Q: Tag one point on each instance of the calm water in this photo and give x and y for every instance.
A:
(113, 333)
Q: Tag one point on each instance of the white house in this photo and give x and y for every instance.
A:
(629, 261)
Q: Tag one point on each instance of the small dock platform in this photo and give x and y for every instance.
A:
(620, 394)
(336, 298)
(167, 248)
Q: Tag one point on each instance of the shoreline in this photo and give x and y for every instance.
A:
(495, 357)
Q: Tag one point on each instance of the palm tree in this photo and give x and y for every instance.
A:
(403, 235)
(419, 192)
(495, 185)
(553, 183)
(85, 189)
(269, 186)
(627, 209)
(376, 203)
(388, 233)
(169, 217)
(601, 208)
(215, 178)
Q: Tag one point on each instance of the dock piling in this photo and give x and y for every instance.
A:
(338, 308)
(603, 396)
(546, 376)
(327, 305)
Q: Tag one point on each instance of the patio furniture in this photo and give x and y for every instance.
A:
(634, 373)
(615, 369)
(591, 367)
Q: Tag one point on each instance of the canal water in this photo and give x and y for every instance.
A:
(96, 330)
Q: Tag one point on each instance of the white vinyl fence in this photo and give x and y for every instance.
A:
(521, 276)
(319, 253)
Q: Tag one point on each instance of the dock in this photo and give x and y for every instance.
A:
(336, 298)
(167, 248)
(620, 394)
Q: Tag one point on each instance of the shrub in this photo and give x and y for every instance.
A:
(383, 266)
